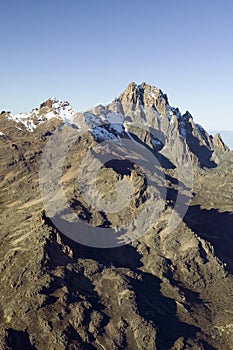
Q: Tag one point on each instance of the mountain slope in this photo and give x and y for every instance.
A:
(167, 289)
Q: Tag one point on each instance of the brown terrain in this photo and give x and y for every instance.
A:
(164, 290)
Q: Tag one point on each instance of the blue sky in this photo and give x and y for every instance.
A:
(88, 51)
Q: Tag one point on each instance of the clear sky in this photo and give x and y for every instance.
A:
(87, 51)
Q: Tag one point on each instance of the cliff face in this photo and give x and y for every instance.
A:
(171, 286)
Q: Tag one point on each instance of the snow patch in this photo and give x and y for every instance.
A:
(116, 121)
(25, 119)
(170, 111)
(100, 133)
(59, 109)
(98, 124)
(63, 109)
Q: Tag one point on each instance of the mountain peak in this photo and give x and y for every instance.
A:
(143, 94)
(55, 103)
(51, 108)
(142, 103)
(146, 96)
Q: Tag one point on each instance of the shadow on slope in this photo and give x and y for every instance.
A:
(18, 340)
(203, 153)
(152, 305)
(215, 227)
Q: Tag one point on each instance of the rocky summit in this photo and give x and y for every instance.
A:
(116, 228)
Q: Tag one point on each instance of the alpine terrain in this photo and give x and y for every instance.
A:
(116, 228)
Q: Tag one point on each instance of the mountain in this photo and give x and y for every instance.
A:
(116, 228)
(52, 108)
(142, 104)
